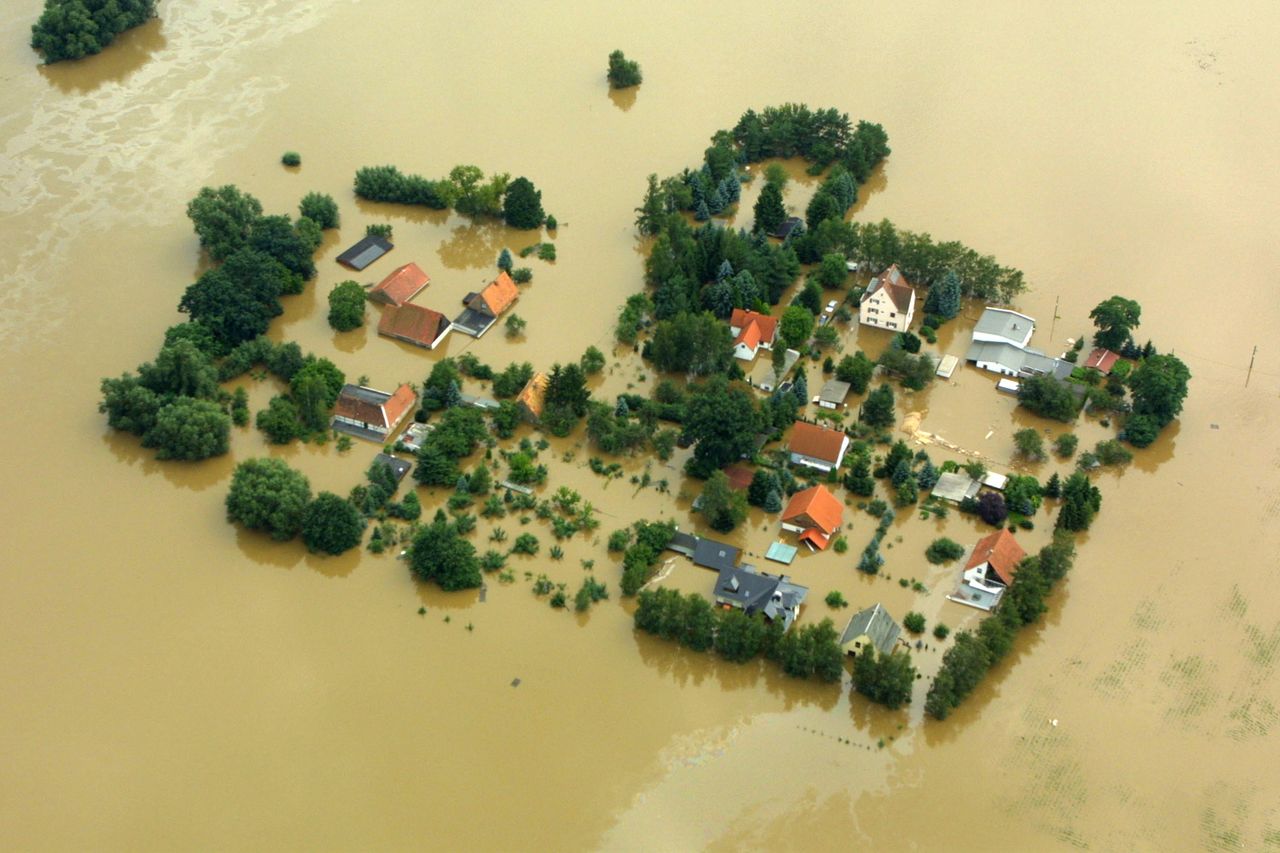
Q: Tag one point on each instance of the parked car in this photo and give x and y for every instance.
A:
(831, 306)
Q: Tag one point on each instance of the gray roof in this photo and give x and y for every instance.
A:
(834, 391)
(365, 252)
(365, 395)
(787, 226)
(955, 486)
(1021, 360)
(1005, 323)
(711, 554)
(399, 467)
(683, 543)
(757, 592)
(877, 624)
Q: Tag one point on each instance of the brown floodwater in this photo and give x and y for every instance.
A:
(174, 683)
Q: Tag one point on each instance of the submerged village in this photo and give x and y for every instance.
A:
(786, 378)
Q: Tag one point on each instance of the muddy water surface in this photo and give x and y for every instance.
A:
(174, 683)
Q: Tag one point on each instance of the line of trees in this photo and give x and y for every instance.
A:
(73, 29)
(974, 652)
(811, 651)
(467, 190)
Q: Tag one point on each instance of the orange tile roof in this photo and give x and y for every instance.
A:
(741, 319)
(815, 507)
(896, 285)
(400, 404)
(533, 396)
(401, 286)
(498, 294)
(412, 323)
(819, 442)
(749, 336)
(1002, 551)
(361, 404)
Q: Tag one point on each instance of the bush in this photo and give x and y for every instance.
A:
(941, 631)
(526, 543)
(1065, 445)
(522, 275)
(1112, 452)
(320, 209)
(943, 550)
(1028, 444)
(623, 73)
(914, 622)
(291, 158)
(346, 306)
(547, 251)
(836, 599)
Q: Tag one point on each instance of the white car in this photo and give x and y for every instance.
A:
(831, 306)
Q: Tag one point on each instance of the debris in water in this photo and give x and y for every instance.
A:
(1055, 723)
(990, 433)
(484, 589)
(1213, 426)
(515, 682)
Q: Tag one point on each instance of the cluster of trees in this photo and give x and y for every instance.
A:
(346, 306)
(1081, 501)
(913, 371)
(857, 369)
(641, 546)
(456, 435)
(822, 136)
(870, 561)
(517, 202)
(567, 398)
(631, 425)
(623, 73)
(812, 651)
(268, 495)
(72, 29)
(884, 678)
(878, 409)
(966, 663)
(1049, 398)
(767, 488)
(723, 419)
(439, 553)
(1159, 387)
(696, 344)
(304, 411)
(261, 259)
(721, 505)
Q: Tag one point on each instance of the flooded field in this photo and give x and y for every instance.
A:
(174, 683)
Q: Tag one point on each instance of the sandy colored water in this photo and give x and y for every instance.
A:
(171, 683)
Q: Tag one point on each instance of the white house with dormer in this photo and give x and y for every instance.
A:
(889, 302)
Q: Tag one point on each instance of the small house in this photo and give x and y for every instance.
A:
(815, 514)
(402, 285)
(752, 332)
(532, 398)
(990, 570)
(832, 394)
(1102, 360)
(787, 227)
(947, 366)
(365, 252)
(871, 627)
(752, 592)
(1009, 359)
(889, 302)
(955, 486)
(483, 309)
(370, 413)
(817, 447)
(399, 467)
(415, 325)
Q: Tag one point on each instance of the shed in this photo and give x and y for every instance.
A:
(955, 486)
(787, 227)
(992, 480)
(947, 366)
(365, 252)
(399, 467)
(780, 552)
(832, 394)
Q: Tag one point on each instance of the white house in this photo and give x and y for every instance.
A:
(1001, 326)
(817, 447)
(751, 332)
(889, 302)
(999, 345)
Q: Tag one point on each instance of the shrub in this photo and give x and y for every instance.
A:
(291, 158)
(515, 326)
(547, 251)
(991, 508)
(1028, 444)
(914, 622)
(526, 543)
(1065, 445)
(1112, 452)
(623, 73)
(522, 275)
(941, 631)
(320, 209)
(943, 550)
(346, 306)
(836, 599)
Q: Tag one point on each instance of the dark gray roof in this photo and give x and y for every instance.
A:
(877, 624)
(365, 252)
(758, 592)
(365, 395)
(711, 554)
(399, 467)
(683, 543)
(787, 226)
(834, 391)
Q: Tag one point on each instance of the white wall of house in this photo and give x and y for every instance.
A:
(793, 528)
(744, 352)
(879, 310)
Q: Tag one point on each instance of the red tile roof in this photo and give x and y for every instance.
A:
(742, 320)
(497, 295)
(1002, 551)
(400, 404)
(533, 396)
(819, 442)
(401, 286)
(814, 507)
(371, 406)
(413, 323)
(1102, 360)
(896, 285)
(740, 476)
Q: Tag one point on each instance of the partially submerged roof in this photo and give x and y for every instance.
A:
(1102, 360)
(993, 480)
(757, 592)
(817, 442)
(365, 252)
(834, 391)
(818, 504)
(372, 406)
(401, 286)
(711, 554)
(1001, 551)
(399, 467)
(497, 295)
(533, 396)
(683, 543)
(877, 625)
(895, 285)
(947, 366)
(413, 323)
(740, 476)
(955, 486)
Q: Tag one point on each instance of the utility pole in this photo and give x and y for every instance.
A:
(1251, 358)
(1054, 322)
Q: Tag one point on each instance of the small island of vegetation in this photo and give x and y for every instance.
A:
(74, 29)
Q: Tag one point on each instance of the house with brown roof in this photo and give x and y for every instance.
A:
(815, 514)
(533, 397)
(370, 413)
(402, 285)
(817, 447)
(990, 570)
(1102, 360)
(889, 302)
(483, 309)
(414, 324)
(752, 332)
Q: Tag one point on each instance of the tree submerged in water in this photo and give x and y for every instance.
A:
(73, 29)
(623, 72)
